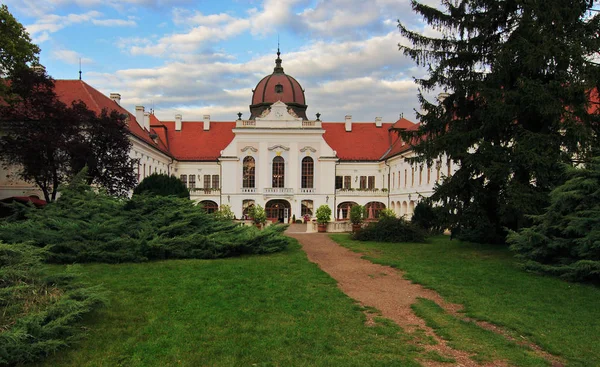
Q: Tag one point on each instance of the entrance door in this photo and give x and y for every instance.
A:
(278, 211)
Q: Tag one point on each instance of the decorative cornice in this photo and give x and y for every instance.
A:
(279, 146)
(308, 148)
(248, 147)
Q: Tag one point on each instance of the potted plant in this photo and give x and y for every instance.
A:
(323, 215)
(356, 217)
(258, 215)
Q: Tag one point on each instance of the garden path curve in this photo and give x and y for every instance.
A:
(378, 286)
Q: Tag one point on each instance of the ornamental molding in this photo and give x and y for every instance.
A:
(308, 148)
(251, 148)
(279, 146)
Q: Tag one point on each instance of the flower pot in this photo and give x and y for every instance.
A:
(258, 225)
(356, 227)
(322, 227)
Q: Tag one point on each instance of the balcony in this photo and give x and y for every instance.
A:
(362, 192)
(278, 191)
(248, 190)
(204, 192)
(307, 190)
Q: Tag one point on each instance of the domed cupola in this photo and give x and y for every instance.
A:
(278, 87)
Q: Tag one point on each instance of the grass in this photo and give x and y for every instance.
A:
(274, 310)
(563, 318)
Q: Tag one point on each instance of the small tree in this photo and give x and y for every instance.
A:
(258, 214)
(162, 185)
(565, 239)
(356, 214)
(323, 214)
(224, 213)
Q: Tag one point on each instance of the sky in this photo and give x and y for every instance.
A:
(197, 57)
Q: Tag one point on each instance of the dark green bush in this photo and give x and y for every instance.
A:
(39, 312)
(162, 185)
(87, 226)
(428, 217)
(390, 230)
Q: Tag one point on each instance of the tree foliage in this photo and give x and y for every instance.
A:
(519, 76)
(390, 229)
(162, 185)
(40, 312)
(84, 225)
(565, 239)
(48, 142)
(16, 49)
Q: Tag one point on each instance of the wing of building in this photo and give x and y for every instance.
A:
(278, 158)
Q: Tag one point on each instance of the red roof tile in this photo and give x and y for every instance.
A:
(193, 143)
(69, 91)
(399, 146)
(366, 142)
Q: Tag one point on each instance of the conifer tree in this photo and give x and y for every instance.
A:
(565, 240)
(519, 77)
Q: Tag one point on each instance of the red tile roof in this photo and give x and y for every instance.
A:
(193, 143)
(366, 142)
(399, 145)
(69, 91)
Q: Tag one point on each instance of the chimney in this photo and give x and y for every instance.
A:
(116, 97)
(139, 115)
(378, 121)
(206, 122)
(147, 121)
(348, 122)
(178, 122)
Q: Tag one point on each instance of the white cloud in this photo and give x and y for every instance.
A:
(70, 57)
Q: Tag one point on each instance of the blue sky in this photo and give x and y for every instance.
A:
(205, 57)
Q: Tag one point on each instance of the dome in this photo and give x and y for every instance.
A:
(278, 87)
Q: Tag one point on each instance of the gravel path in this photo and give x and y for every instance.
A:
(378, 286)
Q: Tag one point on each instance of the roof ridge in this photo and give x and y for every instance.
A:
(85, 85)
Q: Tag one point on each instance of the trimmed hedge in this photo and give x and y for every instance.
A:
(390, 230)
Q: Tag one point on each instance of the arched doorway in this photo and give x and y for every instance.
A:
(209, 206)
(278, 211)
(373, 209)
(343, 210)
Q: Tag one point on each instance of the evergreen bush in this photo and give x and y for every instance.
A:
(565, 239)
(428, 217)
(163, 185)
(390, 230)
(88, 226)
(39, 312)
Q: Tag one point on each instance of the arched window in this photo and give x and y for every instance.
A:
(308, 173)
(278, 172)
(373, 209)
(210, 206)
(249, 172)
(307, 207)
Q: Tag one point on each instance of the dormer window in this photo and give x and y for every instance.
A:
(279, 88)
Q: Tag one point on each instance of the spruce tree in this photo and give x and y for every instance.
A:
(565, 240)
(518, 76)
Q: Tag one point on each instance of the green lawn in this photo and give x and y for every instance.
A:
(563, 318)
(275, 310)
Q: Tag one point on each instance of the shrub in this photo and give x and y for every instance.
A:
(390, 230)
(39, 312)
(387, 213)
(163, 185)
(258, 214)
(224, 213)
(87, 226)
(323, 214)
(427, 217)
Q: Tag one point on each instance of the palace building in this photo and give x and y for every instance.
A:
(278, 158)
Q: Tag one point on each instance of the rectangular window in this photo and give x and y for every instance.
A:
(144, 172)
(393, 180)
(405, 177)
(399, 186)
(420, 175)
(192, 182)
(363, 182)
(371, 182)
(347, 182)
(207, 181)
(339, 182)
(412, 176)
(449, 164)
(215, 181)
(183, 179)
(428, 174)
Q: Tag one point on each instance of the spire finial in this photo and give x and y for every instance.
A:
(80, 68)
(278, 68)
